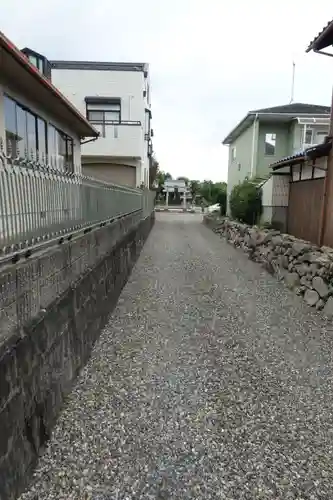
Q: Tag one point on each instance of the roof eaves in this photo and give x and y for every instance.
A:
(99, 65)
(237, 130)
(24, 61)
(315, 43)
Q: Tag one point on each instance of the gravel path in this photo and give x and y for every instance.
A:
(210, 381)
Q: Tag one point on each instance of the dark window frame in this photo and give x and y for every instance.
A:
(68, 159)
(103, 122)
(266, 153)
(36, 118)
(43, 64)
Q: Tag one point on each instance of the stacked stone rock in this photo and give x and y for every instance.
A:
(304, 267)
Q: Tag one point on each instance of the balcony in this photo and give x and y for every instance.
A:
(124, 139)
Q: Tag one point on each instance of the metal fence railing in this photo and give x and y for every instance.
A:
(39, 202)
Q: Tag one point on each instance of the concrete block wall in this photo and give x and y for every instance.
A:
(52, 309)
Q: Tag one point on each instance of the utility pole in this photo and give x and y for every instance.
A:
(292, 84)
(328, 185)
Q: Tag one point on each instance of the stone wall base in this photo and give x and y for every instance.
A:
(304, 267)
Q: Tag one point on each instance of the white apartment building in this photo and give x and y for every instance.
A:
(35, 118)
(115, 98)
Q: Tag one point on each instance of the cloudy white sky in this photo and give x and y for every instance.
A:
(211, 60)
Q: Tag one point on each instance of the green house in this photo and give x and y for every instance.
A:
(266, 135)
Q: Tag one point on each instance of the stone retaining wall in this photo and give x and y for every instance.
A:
(304, 267)
(52, 309)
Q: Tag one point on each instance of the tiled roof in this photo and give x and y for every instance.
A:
(323, 39)
(296, 108)
(297, 156)
(310, 153)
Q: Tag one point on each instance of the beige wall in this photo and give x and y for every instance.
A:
(111, 172)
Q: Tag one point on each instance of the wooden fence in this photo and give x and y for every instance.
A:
(305, 209)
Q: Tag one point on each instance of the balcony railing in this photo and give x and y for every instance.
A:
(39, 203)
(117, 139)
(108, 126)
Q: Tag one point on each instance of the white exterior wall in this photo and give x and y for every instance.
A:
(40, 112)
(267, 193)
(125, 141)
(275, 191)
(275, 198)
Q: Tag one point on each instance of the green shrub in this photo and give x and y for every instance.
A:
(222, 200)
(245, 202)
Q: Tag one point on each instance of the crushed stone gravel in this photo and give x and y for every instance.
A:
(210, 381)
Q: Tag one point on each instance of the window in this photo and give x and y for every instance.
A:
(321, 137)
(10, 126)
(31, 133)
(42, 137)
(37, 62)
(103, 114)
(25, 132)
(308, 136)
(60, 147)
(270, 144)
(233, 154)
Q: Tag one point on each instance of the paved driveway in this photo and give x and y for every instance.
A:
(210, 381)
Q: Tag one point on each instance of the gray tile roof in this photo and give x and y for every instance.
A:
(297, 108)
(290, 111)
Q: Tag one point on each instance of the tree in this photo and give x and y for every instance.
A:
(206, 191)
(185, 179)
(246, 202)
(195, 188)
(153, 173)
(211, 192)
(222, 199)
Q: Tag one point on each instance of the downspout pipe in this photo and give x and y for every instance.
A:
(89, 140)
(253, 143)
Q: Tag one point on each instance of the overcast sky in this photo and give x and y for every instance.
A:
(211, 61)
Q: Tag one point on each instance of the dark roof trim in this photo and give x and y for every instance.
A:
(30, 68)
(323, 39)
(27, 51)
(320, 150)
(102, 100)
(308, 154)
(99, 66)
